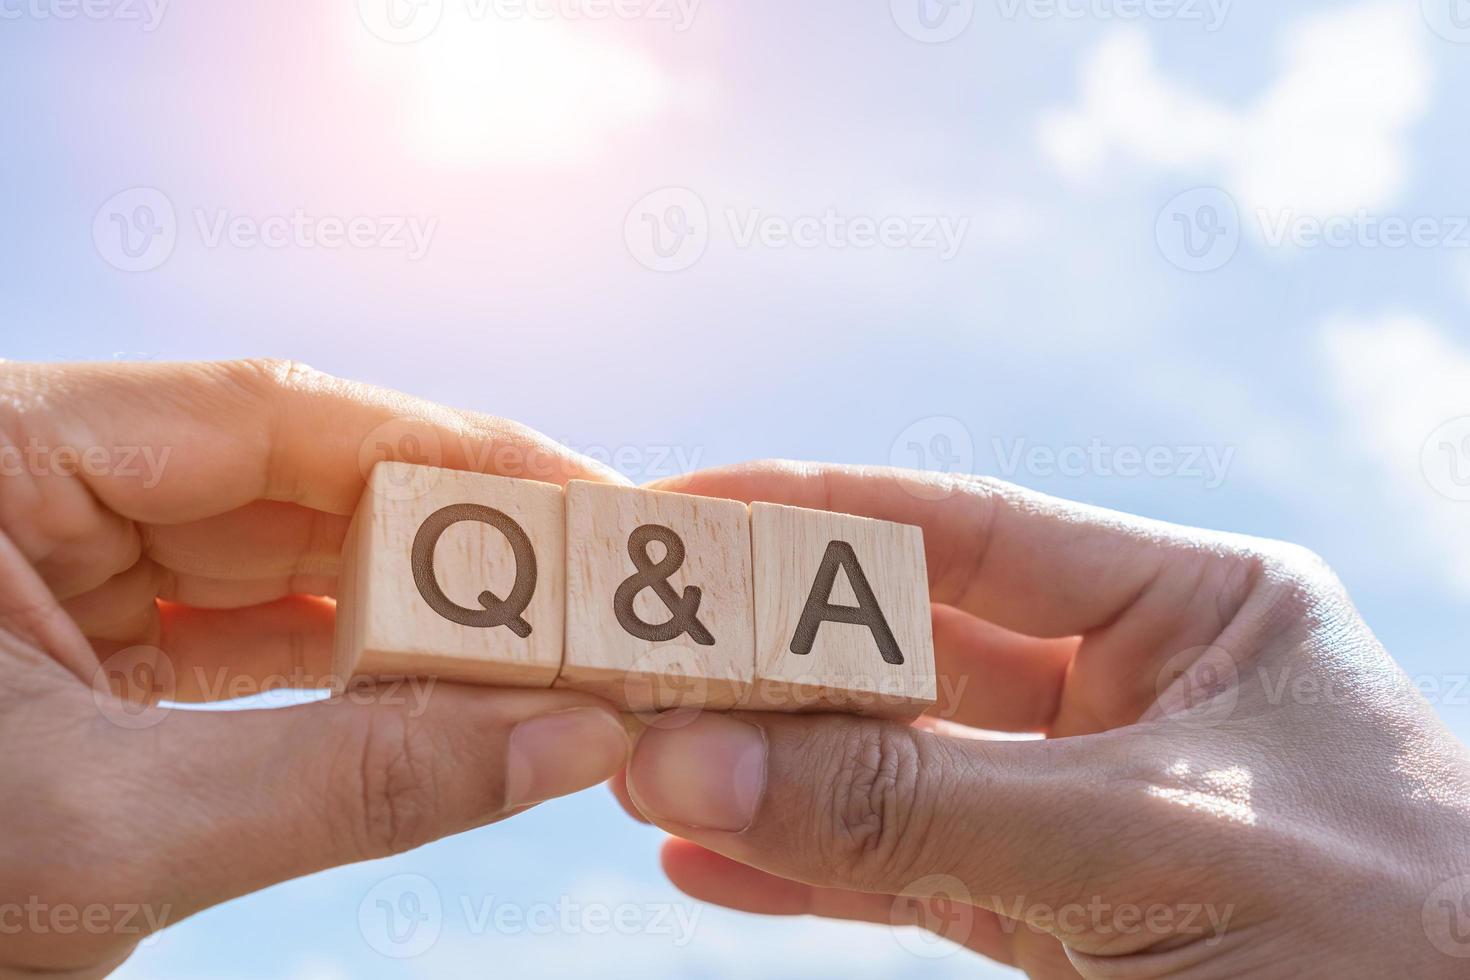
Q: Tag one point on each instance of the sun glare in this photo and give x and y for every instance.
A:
(482, 90)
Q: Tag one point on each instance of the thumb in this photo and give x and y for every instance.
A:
(853, 803)
(254, 798)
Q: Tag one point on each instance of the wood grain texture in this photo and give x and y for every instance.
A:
(387, 624)
(846, 669)
(637, 672)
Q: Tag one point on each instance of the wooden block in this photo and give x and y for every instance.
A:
(453, 575)
(842, 618)
(659, 603)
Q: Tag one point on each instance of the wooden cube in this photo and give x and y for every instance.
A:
(454, 575)
(659, 601)
(842, 618)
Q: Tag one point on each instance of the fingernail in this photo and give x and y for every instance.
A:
(563, 752)
(708, 774)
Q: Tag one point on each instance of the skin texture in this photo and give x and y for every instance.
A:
(213, 573)
(1235, 780)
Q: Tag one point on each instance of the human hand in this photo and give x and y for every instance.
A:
(1236, 780)
(181, 524)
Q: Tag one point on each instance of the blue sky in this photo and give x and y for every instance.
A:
(712, 232)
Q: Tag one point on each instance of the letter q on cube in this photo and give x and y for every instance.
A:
(460, 576)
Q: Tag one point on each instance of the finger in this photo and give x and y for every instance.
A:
(995, 679)
(710, 877)
(259, 797)
(843, 802)
(219, 654)
(174, 443)
(1031, 563)
(74, 545)
(122, 609)
(1139, 592)
(619, 787)
(232, 653)
(36, 635)
(269, 430)
(264, 539)
(208, 593)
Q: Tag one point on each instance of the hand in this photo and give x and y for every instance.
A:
(185, 520)
(1236, 780)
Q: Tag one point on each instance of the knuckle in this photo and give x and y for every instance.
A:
(279, 391)
(1292, 575)
(1292, 560)
(875, 827)
(1274, 580)
(398, 800)
(275, 374)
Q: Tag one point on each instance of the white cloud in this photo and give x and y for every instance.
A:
(1398, 381)
(1328, 136)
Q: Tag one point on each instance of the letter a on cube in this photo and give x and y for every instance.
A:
(841, 614)
(453, 575)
